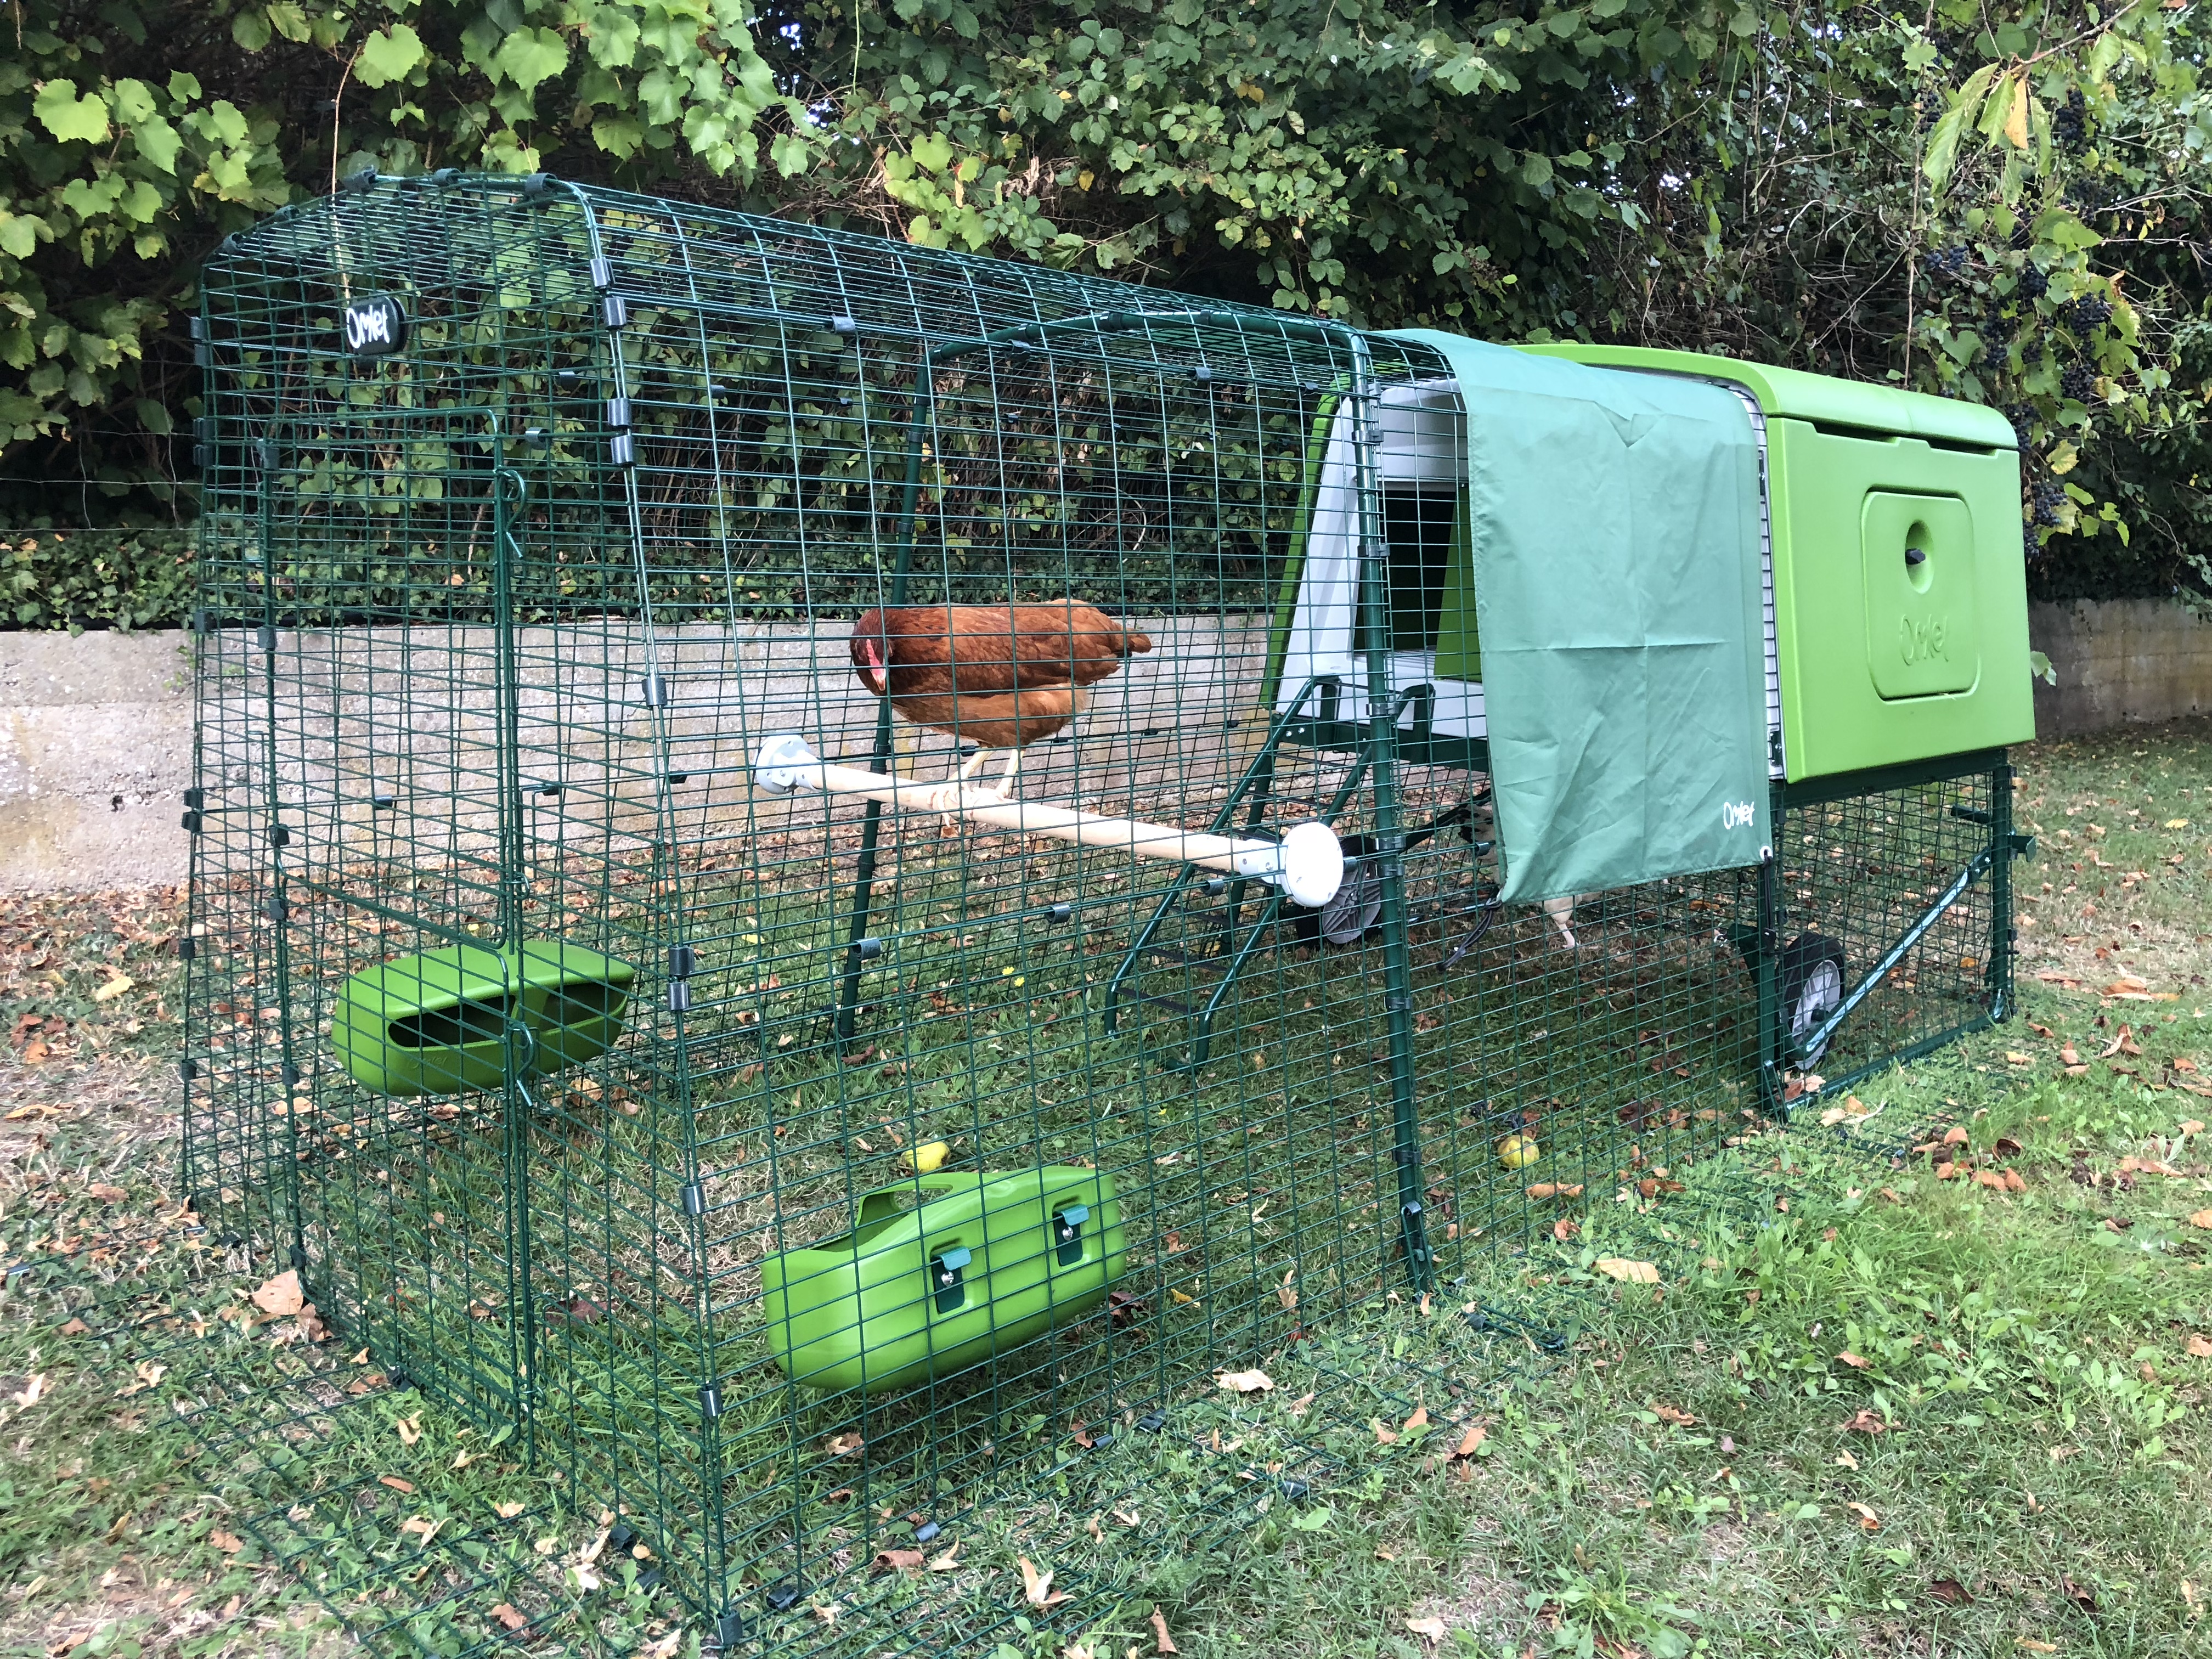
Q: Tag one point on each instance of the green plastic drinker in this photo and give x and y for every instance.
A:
(434, 1023)
(981, 1265)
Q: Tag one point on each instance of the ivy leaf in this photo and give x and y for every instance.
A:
(389, 55)
(932, 152)
(617, 135)
(250, 29)
(789, 152)
(1536, 170)
(528, 58)
(67, 116)
(158, 142)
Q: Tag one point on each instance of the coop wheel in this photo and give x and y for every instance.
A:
(1345, 919)
(1812, 987)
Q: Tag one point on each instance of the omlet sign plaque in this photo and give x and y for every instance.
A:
(374, 326)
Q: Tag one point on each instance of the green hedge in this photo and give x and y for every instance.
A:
(81, 579)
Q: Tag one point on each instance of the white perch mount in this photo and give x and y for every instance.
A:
(1307, 864)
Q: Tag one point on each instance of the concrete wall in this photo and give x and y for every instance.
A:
(2119, 661)
(97, 732)
(95, 751)
(386, 739)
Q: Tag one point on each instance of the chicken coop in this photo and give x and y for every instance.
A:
(818, 863)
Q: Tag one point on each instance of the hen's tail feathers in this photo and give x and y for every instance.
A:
(1137, 643)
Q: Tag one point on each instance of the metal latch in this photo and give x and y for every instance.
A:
(1067, 1232)
(945, 1271)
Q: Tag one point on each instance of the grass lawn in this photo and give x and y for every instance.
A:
(1875, 1408)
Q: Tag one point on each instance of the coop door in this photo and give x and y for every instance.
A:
(1430, 602)
(382, 543)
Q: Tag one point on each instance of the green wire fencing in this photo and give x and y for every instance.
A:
(618, 992)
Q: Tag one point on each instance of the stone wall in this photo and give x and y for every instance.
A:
(97, 732)
(2119, 661)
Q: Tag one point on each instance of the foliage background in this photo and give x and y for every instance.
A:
(1998, 202)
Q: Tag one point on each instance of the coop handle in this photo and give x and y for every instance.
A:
(1307, 864)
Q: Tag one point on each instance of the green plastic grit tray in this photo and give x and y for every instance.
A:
(981, 1264)
(434, 1023)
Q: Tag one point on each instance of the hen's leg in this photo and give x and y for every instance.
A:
(1561, 910)
(947, 796)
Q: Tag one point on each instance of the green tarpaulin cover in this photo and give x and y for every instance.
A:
(1614, 520)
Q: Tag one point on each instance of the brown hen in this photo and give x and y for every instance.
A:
(999, 676)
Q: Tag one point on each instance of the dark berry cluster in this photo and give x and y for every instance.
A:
(2022, 417)
(2090, 311)
(2029, 546)
(2033, 284)
(1946, 264)
(2077, 381)
(2070, 124)
(1996, 329)
(2048, 497)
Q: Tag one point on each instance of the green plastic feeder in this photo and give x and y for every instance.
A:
(983, 1264)
(434, 1023)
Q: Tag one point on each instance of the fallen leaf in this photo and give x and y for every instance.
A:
(1674, 1414)
(1853, 1360)
(1297, 1407)
(76, 1328)
(2080, 1596)
(1161, 1642)
(1382, 1437)
(2035, 1646)
(34, 1390)
(1470, 1440)
(281, 1295)
(1564, 1228)
(1253, 1382)
(1955, 1135)
(509, 1616)
(2014, 1182)
(2200, 1346)
(948, 1562)
(395, 1483)
(114, 988)
(1037, 1586)
(228, 1542)
(1846, 1460)
(1429, 1630)
(1419, 1419)
(506, 1511)
(1556, 1189)
(843, 1445)
(1629, 1272)
(1286, 1292)
(107, 1193)
(1175, 1294)
(1950, 1592)
(896, 1561)
(2070, 1056)
(410, 1430)
(1868, 1520)
(2202, 1218)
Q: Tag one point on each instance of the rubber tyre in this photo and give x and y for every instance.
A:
(1813, 984)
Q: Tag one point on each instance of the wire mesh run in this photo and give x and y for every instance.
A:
(798, 1161)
